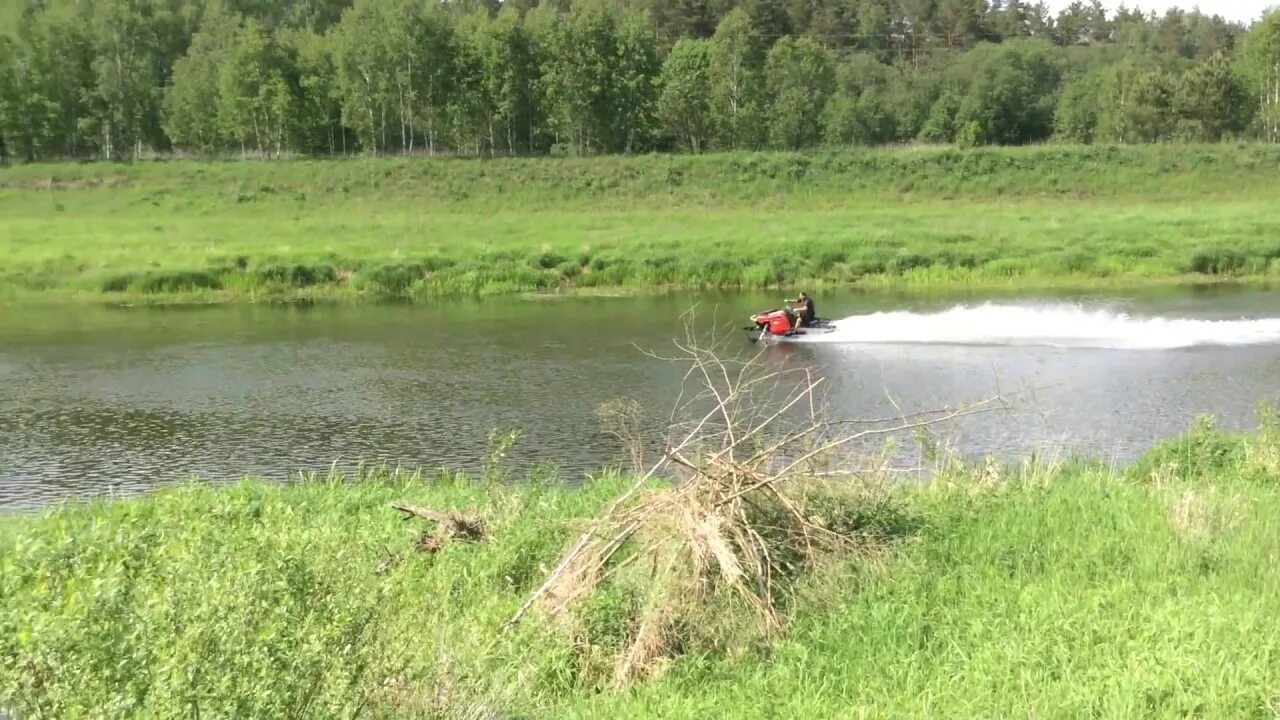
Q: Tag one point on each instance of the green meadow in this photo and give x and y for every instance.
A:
(1067, 590)
(933, 218)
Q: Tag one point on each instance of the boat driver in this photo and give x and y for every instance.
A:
(805, 313)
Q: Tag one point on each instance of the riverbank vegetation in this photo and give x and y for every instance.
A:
(1066, 590)
(757, 566)
(376, 228)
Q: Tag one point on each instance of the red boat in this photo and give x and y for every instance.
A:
(780, 324)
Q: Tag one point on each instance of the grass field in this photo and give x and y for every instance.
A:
(930, 218)
(1050, 592)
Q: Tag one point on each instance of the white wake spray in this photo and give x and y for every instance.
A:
(1054, 325)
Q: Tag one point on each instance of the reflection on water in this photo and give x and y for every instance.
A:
(97, 399)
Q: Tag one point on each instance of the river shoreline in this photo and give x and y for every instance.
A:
(871, 286)
(1125, 592)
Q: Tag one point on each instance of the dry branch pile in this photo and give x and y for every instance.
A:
(446, 526)
(749, 513)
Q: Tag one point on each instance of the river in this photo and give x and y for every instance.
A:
(102, 400)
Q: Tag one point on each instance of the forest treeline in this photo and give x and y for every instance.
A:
(128, 78)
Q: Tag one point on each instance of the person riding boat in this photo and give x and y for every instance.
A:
(805, 314)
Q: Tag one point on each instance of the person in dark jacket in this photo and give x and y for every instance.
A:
(805, 311)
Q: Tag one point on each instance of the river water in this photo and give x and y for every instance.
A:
(97, 400)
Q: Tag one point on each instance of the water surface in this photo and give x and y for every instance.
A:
(114, 400)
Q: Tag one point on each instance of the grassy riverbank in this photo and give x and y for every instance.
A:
(1060, 592)
(423, 228)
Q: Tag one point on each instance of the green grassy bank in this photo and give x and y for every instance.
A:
(1045, 592)
(443, 227)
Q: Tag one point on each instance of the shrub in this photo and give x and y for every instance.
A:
(1216, 261)
(1203, 451)
(548, 261)
(178, 281)
(905, 262)
(297, 275)
(117, 283)
(394, 278)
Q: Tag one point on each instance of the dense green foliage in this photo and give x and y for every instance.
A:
(1056, 591)
(129, 78)
(414, 228)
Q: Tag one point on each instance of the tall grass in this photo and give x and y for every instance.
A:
(265, 601)
(431, 228)
(1064, 591)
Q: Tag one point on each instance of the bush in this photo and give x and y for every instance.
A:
(548, 261)
(297, 275)
(905, 262)
(394, 278)
(1202, 452)
(1070, 261)
(178, 281)
(222, 266)
(869, 261)
(955, 259)
(1216, 261)
(117, 283)
(1005, 267)
(436, 264)
(971, 135)
(830, 259)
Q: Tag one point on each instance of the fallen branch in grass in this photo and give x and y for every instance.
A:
(448, 526)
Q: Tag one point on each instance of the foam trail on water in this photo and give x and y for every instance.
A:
(1054, 325)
